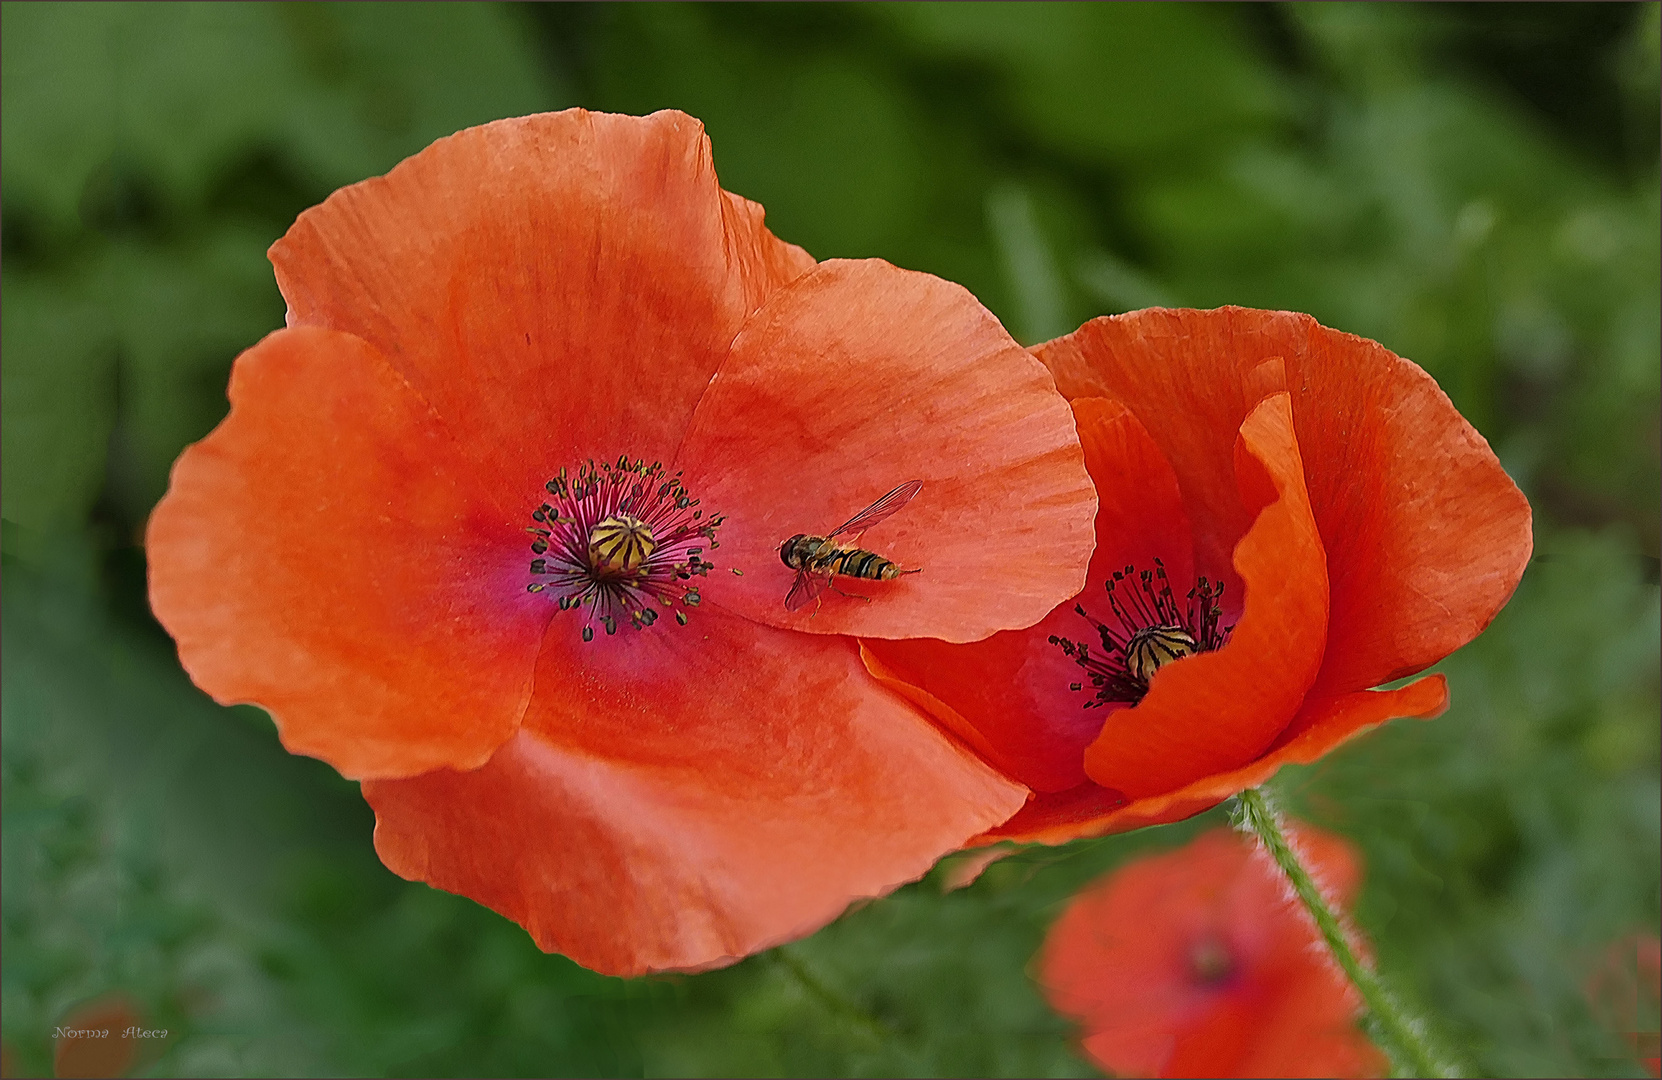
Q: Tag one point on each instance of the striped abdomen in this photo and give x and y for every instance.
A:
(859, 563)
(818, 555)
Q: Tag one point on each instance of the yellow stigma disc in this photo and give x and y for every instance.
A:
(1153, 647)
(620, 544)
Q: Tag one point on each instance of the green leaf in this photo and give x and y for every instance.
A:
(1133, 84)
(179, 93)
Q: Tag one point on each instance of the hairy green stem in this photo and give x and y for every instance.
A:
(1402, 1037)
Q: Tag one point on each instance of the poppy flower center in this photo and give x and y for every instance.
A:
(1151, 631)
(620, 540)
(1210, 961)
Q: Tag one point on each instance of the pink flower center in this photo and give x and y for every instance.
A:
(1152, 631)
(618, 540)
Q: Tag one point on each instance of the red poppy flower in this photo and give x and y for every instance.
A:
(435, 541)
(98, 1038)
(1625, 991)
(1197, 962)
(1288, 517)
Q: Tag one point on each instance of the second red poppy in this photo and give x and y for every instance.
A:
(1197, 962)
(1288, 516)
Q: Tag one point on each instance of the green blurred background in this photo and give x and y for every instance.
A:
(1474, 186)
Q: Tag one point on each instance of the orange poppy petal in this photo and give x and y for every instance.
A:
(558, 287)
(1056, 817)
(860, 377)
(677, 800)
(1219, 710)
(1310, 1030)
(326, 554)
(1429, 534)
(1426, 536)
(1323, 724)
(1009, 696)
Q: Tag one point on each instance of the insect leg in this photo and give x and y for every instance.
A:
(832, 585)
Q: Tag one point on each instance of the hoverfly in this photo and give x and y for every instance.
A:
(816, 558)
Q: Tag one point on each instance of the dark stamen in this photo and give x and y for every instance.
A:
(618, 539)
(1153, 631)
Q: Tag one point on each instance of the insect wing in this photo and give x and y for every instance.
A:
(804, 589)
(879, 510)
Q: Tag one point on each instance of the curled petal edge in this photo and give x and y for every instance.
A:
(1321, 726)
